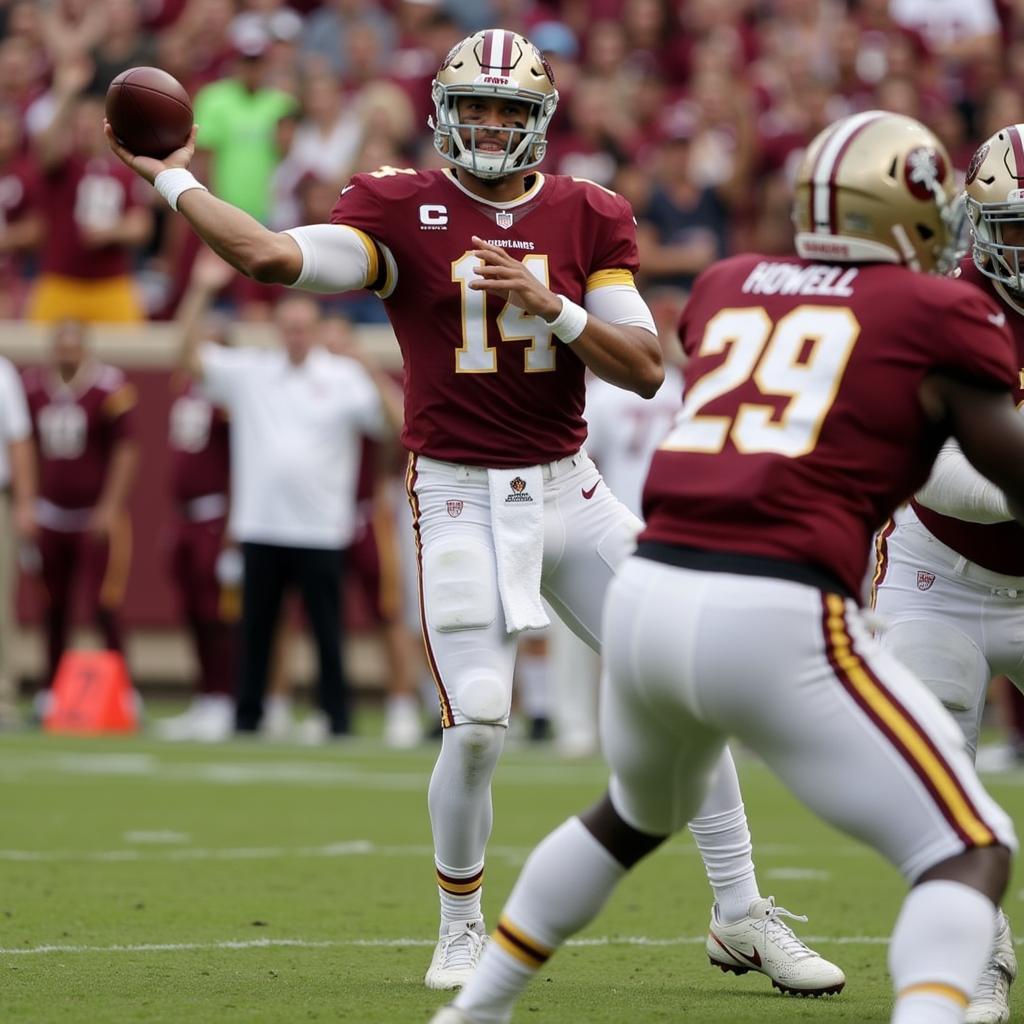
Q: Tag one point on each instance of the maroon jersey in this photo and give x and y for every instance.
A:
(81, 194)
(802, 429)
(996, 546)
(76, 427)
(198, 435)
(17, 183)
(484, 383)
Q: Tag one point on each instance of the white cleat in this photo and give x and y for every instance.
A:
(403, 729)
(991, 1001)
(178, 727)
(456, 955)
(761, 941)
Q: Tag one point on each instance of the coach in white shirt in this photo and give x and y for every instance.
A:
(17, 496)
(297, 416)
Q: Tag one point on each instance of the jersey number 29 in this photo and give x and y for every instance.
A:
(802, 357)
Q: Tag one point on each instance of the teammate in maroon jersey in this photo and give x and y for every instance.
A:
(818, 392)
(20, 226)
(94, 213)
(949, 579)
(199, 479)
(503, 286)
(82, 420)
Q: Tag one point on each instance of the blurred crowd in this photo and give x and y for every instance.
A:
(696, 110)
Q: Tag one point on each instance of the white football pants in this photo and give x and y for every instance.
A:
(954, 623)
(585, 540)
(694, 658)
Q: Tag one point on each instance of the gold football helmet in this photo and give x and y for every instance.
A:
(878, 187)
(994, 193)
(494, 62)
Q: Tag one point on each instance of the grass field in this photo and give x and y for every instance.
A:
(256, 883)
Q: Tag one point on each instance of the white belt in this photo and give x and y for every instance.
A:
(919, 541)
(60, 519)
(205, 507)
(549, 470)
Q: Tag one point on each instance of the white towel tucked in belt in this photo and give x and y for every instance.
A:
(517, 522)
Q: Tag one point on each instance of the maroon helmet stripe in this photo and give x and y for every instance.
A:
(1018, 152)
(506, 53)
(486, 47)
(833, 192)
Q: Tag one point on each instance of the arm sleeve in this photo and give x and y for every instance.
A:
(15, 422)
(957, 489)
(620, 304)
(335, 258)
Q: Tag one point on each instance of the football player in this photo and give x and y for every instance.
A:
(949, 580)
(83, 422)
(199, 437)
(503, 285)
(819, 390)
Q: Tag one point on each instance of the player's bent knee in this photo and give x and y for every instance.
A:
(460, 585)
(484, 699)
(477, 740)
(947, 662)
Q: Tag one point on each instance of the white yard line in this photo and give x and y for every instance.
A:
(242, 944)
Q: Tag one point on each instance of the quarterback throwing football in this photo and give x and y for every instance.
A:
(503, 286)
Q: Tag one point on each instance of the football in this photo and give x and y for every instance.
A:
(149, 111)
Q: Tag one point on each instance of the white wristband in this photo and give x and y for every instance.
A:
(172, 182)
(570, 323)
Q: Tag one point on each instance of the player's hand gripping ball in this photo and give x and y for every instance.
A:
(149, 111)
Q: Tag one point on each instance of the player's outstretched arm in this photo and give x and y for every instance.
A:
(624, 355)
(236, 237)
(988, 427)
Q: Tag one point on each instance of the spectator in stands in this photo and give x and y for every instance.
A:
(324, 144)
(83, 425)
(94, 214)
(20, 227)
(683, 228)
(297, 414)
(326, 30)
(238, 120)
(122, 43)
(201, 557)
(17, 518)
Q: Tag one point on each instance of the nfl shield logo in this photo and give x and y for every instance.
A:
(517, 484)
(924, 579)
(455, 509)
(504, 219)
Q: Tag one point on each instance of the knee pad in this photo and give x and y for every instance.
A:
(946, 660)
(460, 585)
(484, 699)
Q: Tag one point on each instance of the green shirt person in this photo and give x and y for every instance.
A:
(238, 118)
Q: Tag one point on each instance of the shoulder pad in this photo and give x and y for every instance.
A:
(393, 182)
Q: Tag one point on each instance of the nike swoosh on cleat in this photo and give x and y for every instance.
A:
(589, 494)
(753, 957)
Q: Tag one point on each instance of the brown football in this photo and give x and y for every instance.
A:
(149, 111)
